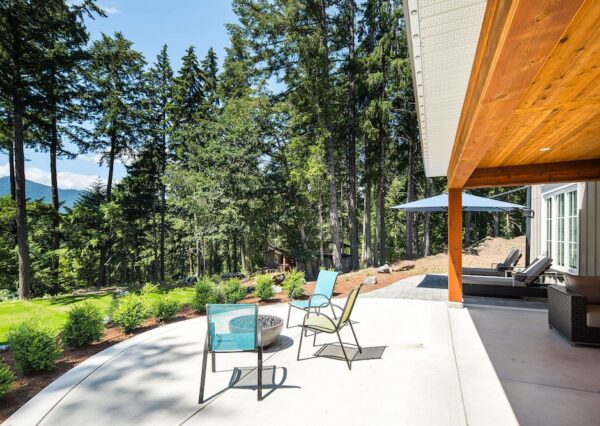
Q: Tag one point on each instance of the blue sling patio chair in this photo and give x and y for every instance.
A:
(321, 297)
(231, 328)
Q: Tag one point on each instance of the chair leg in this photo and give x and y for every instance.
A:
(203, 375)
(333, 311)
(213, 362)
(300, 344)
(260, 372)
(344, 351)
(355, 339)
(287, 324)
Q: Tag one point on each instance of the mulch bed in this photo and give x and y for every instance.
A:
(27, 386)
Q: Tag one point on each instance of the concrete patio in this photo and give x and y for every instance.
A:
(434, 370)
(439, 366)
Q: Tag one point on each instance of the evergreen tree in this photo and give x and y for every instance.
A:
(114, 104)
(160, 99)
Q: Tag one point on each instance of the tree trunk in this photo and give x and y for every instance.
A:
(467, 239)
(333, 204)
(321, 248)
(18, 109)
(410, 196)
(106, 243)
(235, 253)
(154, 240)
(243, 254)
(55, 199)
(308, 262)
(11, 168)
(367, 254)
(426, 247)
(381, 198)
(21, 205)
(351, 151)
(199, 256)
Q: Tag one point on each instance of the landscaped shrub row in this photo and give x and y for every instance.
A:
(206, 291)
(36, 347)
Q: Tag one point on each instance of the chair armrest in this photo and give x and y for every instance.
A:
(322, 305)
(305, 292)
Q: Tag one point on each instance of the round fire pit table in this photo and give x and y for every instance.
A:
(270, 326)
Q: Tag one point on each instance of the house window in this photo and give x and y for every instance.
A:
(549, 226)
(560, 237)
(572, 245)
(561, 228)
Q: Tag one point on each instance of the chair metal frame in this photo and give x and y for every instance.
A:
(316, 308)
(337, 324)
(207, 348)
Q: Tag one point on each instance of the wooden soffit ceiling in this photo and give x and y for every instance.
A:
(532, 105)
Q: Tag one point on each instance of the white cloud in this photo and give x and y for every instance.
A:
(111, 10)
(126, 160)
(66, 180)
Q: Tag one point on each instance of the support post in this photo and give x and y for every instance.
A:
(455, 245)
(528, 229)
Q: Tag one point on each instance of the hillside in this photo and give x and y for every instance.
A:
(38, 191)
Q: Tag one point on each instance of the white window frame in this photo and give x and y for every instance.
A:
(553, 194)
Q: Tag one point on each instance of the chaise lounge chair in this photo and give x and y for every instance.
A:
(525, 283)
(497, 269)
(321, 297)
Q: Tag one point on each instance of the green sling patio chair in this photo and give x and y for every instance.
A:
(231, 328)
(321, 297)
(321, 323)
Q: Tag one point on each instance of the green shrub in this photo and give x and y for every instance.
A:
(6, 295)
(233, 291)
(129, 313)
(204, 292)
(294, 283)
(84, 325)
(35, 347)
(7, 378)
(264, 287)
(149, 288)
(166, 308)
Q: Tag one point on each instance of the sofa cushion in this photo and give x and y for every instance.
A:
(593, 315)
(587, 286)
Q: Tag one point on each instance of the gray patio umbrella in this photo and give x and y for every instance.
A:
(470, 203)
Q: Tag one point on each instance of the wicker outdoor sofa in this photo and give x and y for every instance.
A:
(574, 309)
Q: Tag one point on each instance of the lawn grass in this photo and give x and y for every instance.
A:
(53, 311)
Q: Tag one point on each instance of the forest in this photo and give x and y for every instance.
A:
(300, 142)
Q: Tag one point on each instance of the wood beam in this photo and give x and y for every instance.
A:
(568, 171)
(516, 39)
(455, 245)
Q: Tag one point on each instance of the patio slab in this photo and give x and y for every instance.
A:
(153, 378)
(547, 381)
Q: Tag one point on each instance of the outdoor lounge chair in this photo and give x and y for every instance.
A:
(225, 337)
(497, 269)
(526, 283)
(318, 322)
(321, 297)
(574, 309)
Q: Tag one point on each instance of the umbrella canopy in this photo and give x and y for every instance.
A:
(470, 203)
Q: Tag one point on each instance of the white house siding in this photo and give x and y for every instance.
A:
(589, 224)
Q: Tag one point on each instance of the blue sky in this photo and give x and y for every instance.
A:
(148, 24)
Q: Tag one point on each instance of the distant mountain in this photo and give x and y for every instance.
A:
(37, 191)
